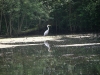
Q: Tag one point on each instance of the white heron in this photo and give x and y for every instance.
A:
(47, 31)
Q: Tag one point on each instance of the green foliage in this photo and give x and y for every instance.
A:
(19, 14)
(77, 16)
(65, 15)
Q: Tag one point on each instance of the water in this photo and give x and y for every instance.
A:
(51, 55)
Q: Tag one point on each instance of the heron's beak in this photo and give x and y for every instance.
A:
(49, 25)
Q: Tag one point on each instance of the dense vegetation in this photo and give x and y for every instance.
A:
(32, 16)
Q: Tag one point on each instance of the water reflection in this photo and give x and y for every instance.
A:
(47, 45)
(65, 56)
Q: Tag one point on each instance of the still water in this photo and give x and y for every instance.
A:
(50, 55)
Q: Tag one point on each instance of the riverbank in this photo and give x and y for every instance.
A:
(31, 40)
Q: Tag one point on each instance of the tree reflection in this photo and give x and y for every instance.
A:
(34, 59)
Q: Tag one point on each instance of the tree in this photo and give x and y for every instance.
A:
(16, 12)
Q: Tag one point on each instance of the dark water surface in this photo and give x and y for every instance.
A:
(63, 56)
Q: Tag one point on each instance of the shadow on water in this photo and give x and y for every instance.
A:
(59, 55)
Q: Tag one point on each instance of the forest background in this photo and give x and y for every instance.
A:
(30, 17)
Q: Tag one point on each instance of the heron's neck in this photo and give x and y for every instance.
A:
(48, 28)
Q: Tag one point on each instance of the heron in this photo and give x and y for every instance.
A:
(47, 31)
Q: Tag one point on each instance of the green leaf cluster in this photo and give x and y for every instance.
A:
(66, 16)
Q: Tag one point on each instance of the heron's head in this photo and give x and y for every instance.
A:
(48, 25)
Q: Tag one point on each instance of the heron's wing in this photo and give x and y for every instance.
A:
(46, 32)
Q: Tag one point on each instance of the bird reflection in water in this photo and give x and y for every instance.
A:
(47, 45)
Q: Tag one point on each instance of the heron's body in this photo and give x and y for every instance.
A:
(47, 31)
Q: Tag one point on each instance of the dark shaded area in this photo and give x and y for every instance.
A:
(18, 18)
